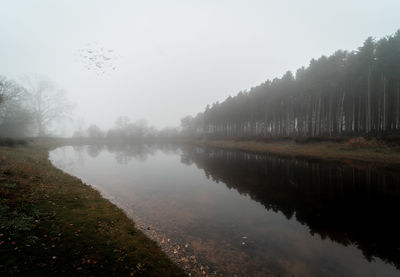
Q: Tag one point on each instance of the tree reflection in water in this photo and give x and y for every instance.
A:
(348, 205)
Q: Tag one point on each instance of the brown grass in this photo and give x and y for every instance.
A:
(361, 142)
(373, 151)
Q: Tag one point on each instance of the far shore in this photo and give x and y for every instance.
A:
(380, 155)
(355, 150)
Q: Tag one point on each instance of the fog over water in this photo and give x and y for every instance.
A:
(172, 58)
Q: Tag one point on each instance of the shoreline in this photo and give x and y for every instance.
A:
(63, 225)
(181, 253)
(380, 156)
(53, 223)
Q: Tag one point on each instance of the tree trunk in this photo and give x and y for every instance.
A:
(384, 104)
(368, 117)
(398, 105)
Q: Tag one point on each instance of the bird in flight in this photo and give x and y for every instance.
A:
(97, 59)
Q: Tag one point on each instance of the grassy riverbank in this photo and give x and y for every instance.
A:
(52, 223)
(352, 151)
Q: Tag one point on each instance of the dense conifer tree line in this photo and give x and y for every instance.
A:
(351, 93)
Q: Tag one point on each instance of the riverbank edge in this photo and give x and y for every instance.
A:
(382, 156)
(53, 223)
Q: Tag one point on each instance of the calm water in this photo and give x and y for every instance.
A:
(249, 214)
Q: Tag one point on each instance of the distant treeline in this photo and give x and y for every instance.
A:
(347, 93)
(126, 130)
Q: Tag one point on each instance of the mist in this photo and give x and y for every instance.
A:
(173, 58)
(199, 138)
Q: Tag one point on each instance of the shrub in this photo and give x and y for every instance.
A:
(361, 142)
(9, 142)
(304, 140)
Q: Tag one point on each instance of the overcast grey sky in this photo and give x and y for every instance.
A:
(175, 57)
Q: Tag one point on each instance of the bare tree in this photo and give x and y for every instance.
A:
(15, 117)
(48, 103)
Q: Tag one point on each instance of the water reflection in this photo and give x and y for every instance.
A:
(345, 204)
(250, 214)
(125, 152)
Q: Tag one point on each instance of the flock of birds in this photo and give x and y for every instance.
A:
(97, 59)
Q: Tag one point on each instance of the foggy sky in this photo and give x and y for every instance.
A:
(175, 57)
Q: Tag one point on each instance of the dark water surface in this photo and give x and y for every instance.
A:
(234, 212)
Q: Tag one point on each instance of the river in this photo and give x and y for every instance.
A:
(229, 212)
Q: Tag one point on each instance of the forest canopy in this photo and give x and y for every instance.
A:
(350, 92)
